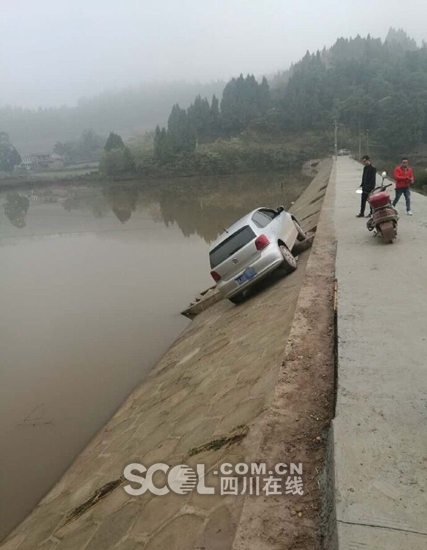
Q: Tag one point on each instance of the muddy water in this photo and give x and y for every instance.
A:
(92, 280)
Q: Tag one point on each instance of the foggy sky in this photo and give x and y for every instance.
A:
(54, 51)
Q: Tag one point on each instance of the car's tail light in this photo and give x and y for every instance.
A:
(261, 242)
(215, 276)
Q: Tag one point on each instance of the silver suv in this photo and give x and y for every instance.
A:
(252, 248)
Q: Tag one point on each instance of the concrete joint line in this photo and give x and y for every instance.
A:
(409, 531)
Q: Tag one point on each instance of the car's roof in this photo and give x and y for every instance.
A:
(246, 220)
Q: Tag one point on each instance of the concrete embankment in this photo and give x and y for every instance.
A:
(241, 385)
(297, 422)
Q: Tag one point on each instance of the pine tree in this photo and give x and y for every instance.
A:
(9, 156)
(114, 141)
(264, 96)
(215, 117)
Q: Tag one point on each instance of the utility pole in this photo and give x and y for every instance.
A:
(336, 138)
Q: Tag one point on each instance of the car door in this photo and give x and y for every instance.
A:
(276, 225)
(288, 230)
(282, 227)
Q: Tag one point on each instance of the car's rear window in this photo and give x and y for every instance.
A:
(231, 245)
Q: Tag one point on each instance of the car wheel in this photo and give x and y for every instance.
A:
(237, 298)
(301, 234)
(289, 261)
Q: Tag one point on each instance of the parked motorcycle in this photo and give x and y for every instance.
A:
(384, 216)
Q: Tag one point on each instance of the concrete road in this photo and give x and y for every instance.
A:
(380, 430)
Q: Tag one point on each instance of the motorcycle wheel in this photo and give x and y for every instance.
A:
(388, 232)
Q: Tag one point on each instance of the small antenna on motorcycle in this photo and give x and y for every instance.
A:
(225, 231)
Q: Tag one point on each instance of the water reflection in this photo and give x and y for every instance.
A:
(198, 206)
(121, 200)
(79, 201)
(16, 208)
(206, 207)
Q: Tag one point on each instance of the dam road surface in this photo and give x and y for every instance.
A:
(381, 415)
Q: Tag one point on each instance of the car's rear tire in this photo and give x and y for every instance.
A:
(289, 261)
(301, 234)
(237, 298)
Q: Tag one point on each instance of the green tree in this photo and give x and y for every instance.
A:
(199, 117)
(68, 150)
(9, 156)
(91, 142)
(117, 162)
(241, 103)
(16, 208)
(215, 117)
(401, 123)
(181, 135)
(114, 141)
(87, 148)
(264, 101)
(162, 149)
(399, 40)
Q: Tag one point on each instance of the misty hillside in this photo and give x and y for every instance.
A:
(369, 87)
(364, 84)
(130, 111)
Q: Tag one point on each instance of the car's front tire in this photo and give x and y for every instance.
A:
(289, 261)
(301, 234)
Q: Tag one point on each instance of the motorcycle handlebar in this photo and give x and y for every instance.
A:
(381, 187)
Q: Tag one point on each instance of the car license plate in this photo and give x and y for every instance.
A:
(247, 275)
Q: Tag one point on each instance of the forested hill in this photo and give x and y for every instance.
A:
(362, 83)
(365, 84)
(130, 111)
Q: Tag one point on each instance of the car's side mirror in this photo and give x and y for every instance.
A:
(280, 209)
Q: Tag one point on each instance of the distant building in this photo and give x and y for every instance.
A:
(42, 161)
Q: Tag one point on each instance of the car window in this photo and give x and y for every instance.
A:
(231, 245)
(269, 212)
(262, 218)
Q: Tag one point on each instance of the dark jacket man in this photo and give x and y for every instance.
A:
(368, 183)
(369, 177)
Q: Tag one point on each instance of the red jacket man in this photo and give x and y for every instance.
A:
(403, 177)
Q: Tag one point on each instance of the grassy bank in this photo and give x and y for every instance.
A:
(250, 152)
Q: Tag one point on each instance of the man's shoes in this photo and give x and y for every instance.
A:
(368, 216)
(409, 213)
(360, 215)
